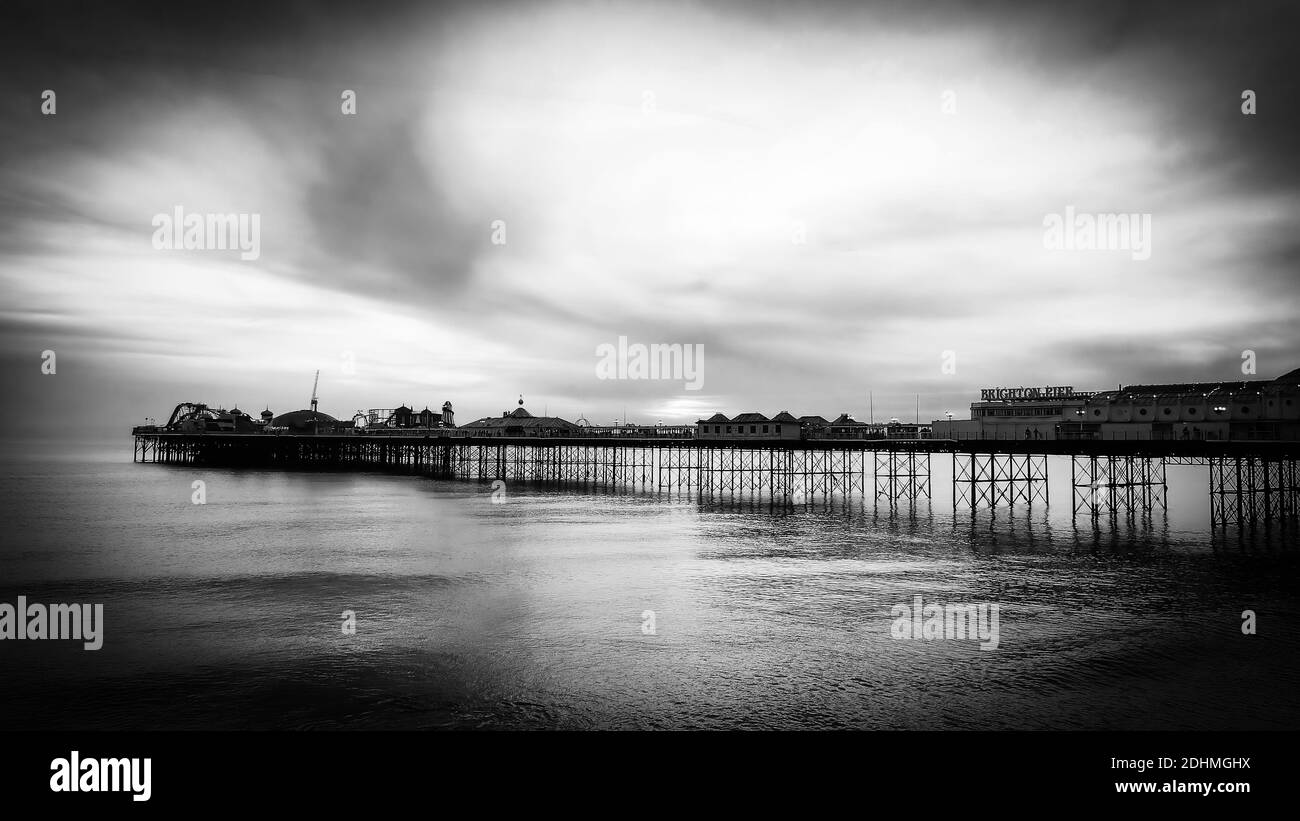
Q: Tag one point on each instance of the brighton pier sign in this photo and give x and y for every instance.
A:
(1050, 392)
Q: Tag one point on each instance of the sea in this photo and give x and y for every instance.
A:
(300, 600)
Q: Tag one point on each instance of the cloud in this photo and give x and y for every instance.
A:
(780, 185)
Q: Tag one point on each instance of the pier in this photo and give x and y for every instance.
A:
(1250, 483)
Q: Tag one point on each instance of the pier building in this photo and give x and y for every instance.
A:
(1254, 409)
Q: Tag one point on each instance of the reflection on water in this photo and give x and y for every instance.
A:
(532, 613)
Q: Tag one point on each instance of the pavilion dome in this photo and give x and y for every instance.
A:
(302, 419)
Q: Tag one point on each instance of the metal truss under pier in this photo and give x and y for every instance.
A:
(993, 479)
(1247, 491)
(792, 475)
(902, 475)
(1111, 484)
(783, 475)
(1250, 483)
(786, 475)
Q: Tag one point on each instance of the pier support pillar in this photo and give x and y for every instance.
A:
(1109, 484)
(1248, 491)
(994, 479)
(902, 475)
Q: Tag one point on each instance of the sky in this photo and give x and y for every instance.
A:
(838, 207)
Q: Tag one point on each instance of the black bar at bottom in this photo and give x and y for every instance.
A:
(614, 771)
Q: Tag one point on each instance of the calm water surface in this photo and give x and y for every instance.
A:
(530, 613)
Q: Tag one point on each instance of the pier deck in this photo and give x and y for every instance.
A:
(1250, 482)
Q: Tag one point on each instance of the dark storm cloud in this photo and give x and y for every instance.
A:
(1208, 352)
(1187, 63)
(377, 206)
(281, 67)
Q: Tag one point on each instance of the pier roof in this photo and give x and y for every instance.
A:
(522, 420)
(783, 416)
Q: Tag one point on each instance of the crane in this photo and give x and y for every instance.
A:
(313, 391)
